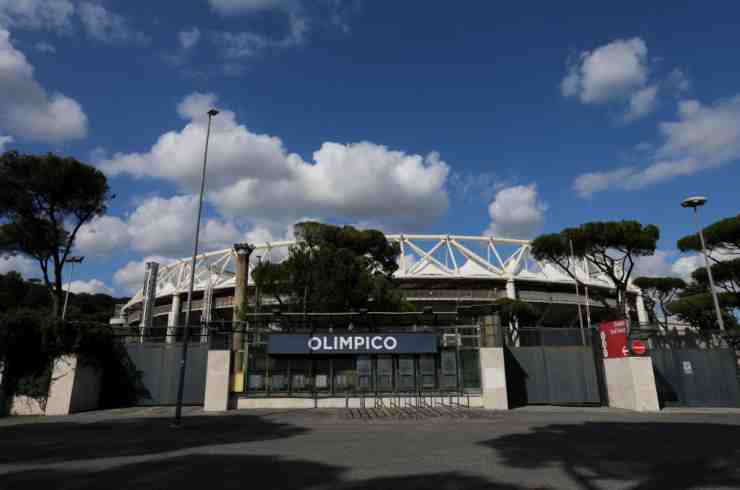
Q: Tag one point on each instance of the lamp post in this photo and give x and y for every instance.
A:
(72, 260)
(696, 202)
(186, 335)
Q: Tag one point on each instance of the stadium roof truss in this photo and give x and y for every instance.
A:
(422, 257)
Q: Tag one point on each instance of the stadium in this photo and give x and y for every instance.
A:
(438, 271)
(442, 353)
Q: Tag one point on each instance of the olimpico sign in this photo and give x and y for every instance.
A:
(401, 343)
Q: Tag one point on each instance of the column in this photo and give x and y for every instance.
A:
(510, 289)
(642, 313)
(173, 318)
(149, 294)
(513, 328)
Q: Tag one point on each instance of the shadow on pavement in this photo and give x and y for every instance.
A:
(235, 472)
(654, 455)
(68, 441)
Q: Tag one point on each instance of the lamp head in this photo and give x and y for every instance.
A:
(694, 202)
(212, 112)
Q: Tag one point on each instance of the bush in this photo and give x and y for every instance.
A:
(30, 341)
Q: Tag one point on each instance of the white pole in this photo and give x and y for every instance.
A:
(717, 309)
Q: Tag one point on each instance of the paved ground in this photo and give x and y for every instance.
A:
(316, 449)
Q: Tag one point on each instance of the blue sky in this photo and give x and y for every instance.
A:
(409, 116)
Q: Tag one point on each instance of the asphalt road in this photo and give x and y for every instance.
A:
(310, 449)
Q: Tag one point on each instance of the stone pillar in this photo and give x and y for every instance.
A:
(243, 251)
(642, 313)
(74, 387)
(217, 381)
(510, 289)
(493, 378)
(149, 294)
(630, 383)
(173, 318)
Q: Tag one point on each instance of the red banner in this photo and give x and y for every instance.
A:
(613, 338)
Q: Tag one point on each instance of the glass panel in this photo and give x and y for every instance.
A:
(406, 373)
(345, 376)
(470, 369)
(385, 373)
(449, 369)
(321, 372)
(427, 372)
(279, 374)
(300, 371)
(364, 371)
(257, 368)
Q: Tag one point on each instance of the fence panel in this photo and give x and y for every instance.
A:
(159, 365)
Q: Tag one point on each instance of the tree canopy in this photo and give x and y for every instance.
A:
(657, 293)
(611, 248)
(44, 200)
(697, 309)
(726, 276)
(333, 268)
(723, 235)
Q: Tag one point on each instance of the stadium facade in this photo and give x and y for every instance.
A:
(273, 362)
(442, 271)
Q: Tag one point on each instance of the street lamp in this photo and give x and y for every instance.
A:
(696, 202)
(186, 335)
(72, 260)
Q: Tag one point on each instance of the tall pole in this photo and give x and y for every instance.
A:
(188, 309)
(717, 309)
(72, 261)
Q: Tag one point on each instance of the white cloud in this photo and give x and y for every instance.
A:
(672, 263)
(641, 103)
(37, 14)
(92, 286)
(23, 265)
(188, 38)
(516, 212)
(703, 137)
(608, 72)
(4, 140)
(103, 25)
(252, 176)
(130, 278)
(103, 236)
(26, 110)
(44, 47)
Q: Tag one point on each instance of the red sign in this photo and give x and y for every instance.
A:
(638, 347)
(613, 338)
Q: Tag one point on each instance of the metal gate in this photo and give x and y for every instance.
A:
(559, 370)
(159, 365)
(696, 378)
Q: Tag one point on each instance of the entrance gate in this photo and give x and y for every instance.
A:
(696, 378)
(552, 366)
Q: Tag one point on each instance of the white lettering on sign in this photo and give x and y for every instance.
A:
(376, 343)
(357, 342)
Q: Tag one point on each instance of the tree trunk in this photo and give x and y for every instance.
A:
(57, 293)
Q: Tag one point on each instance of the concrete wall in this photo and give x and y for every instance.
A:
(493, 378)
(630, 384)
(75, 387)
(217, 381)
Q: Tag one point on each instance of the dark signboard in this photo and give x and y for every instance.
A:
(365, 343)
